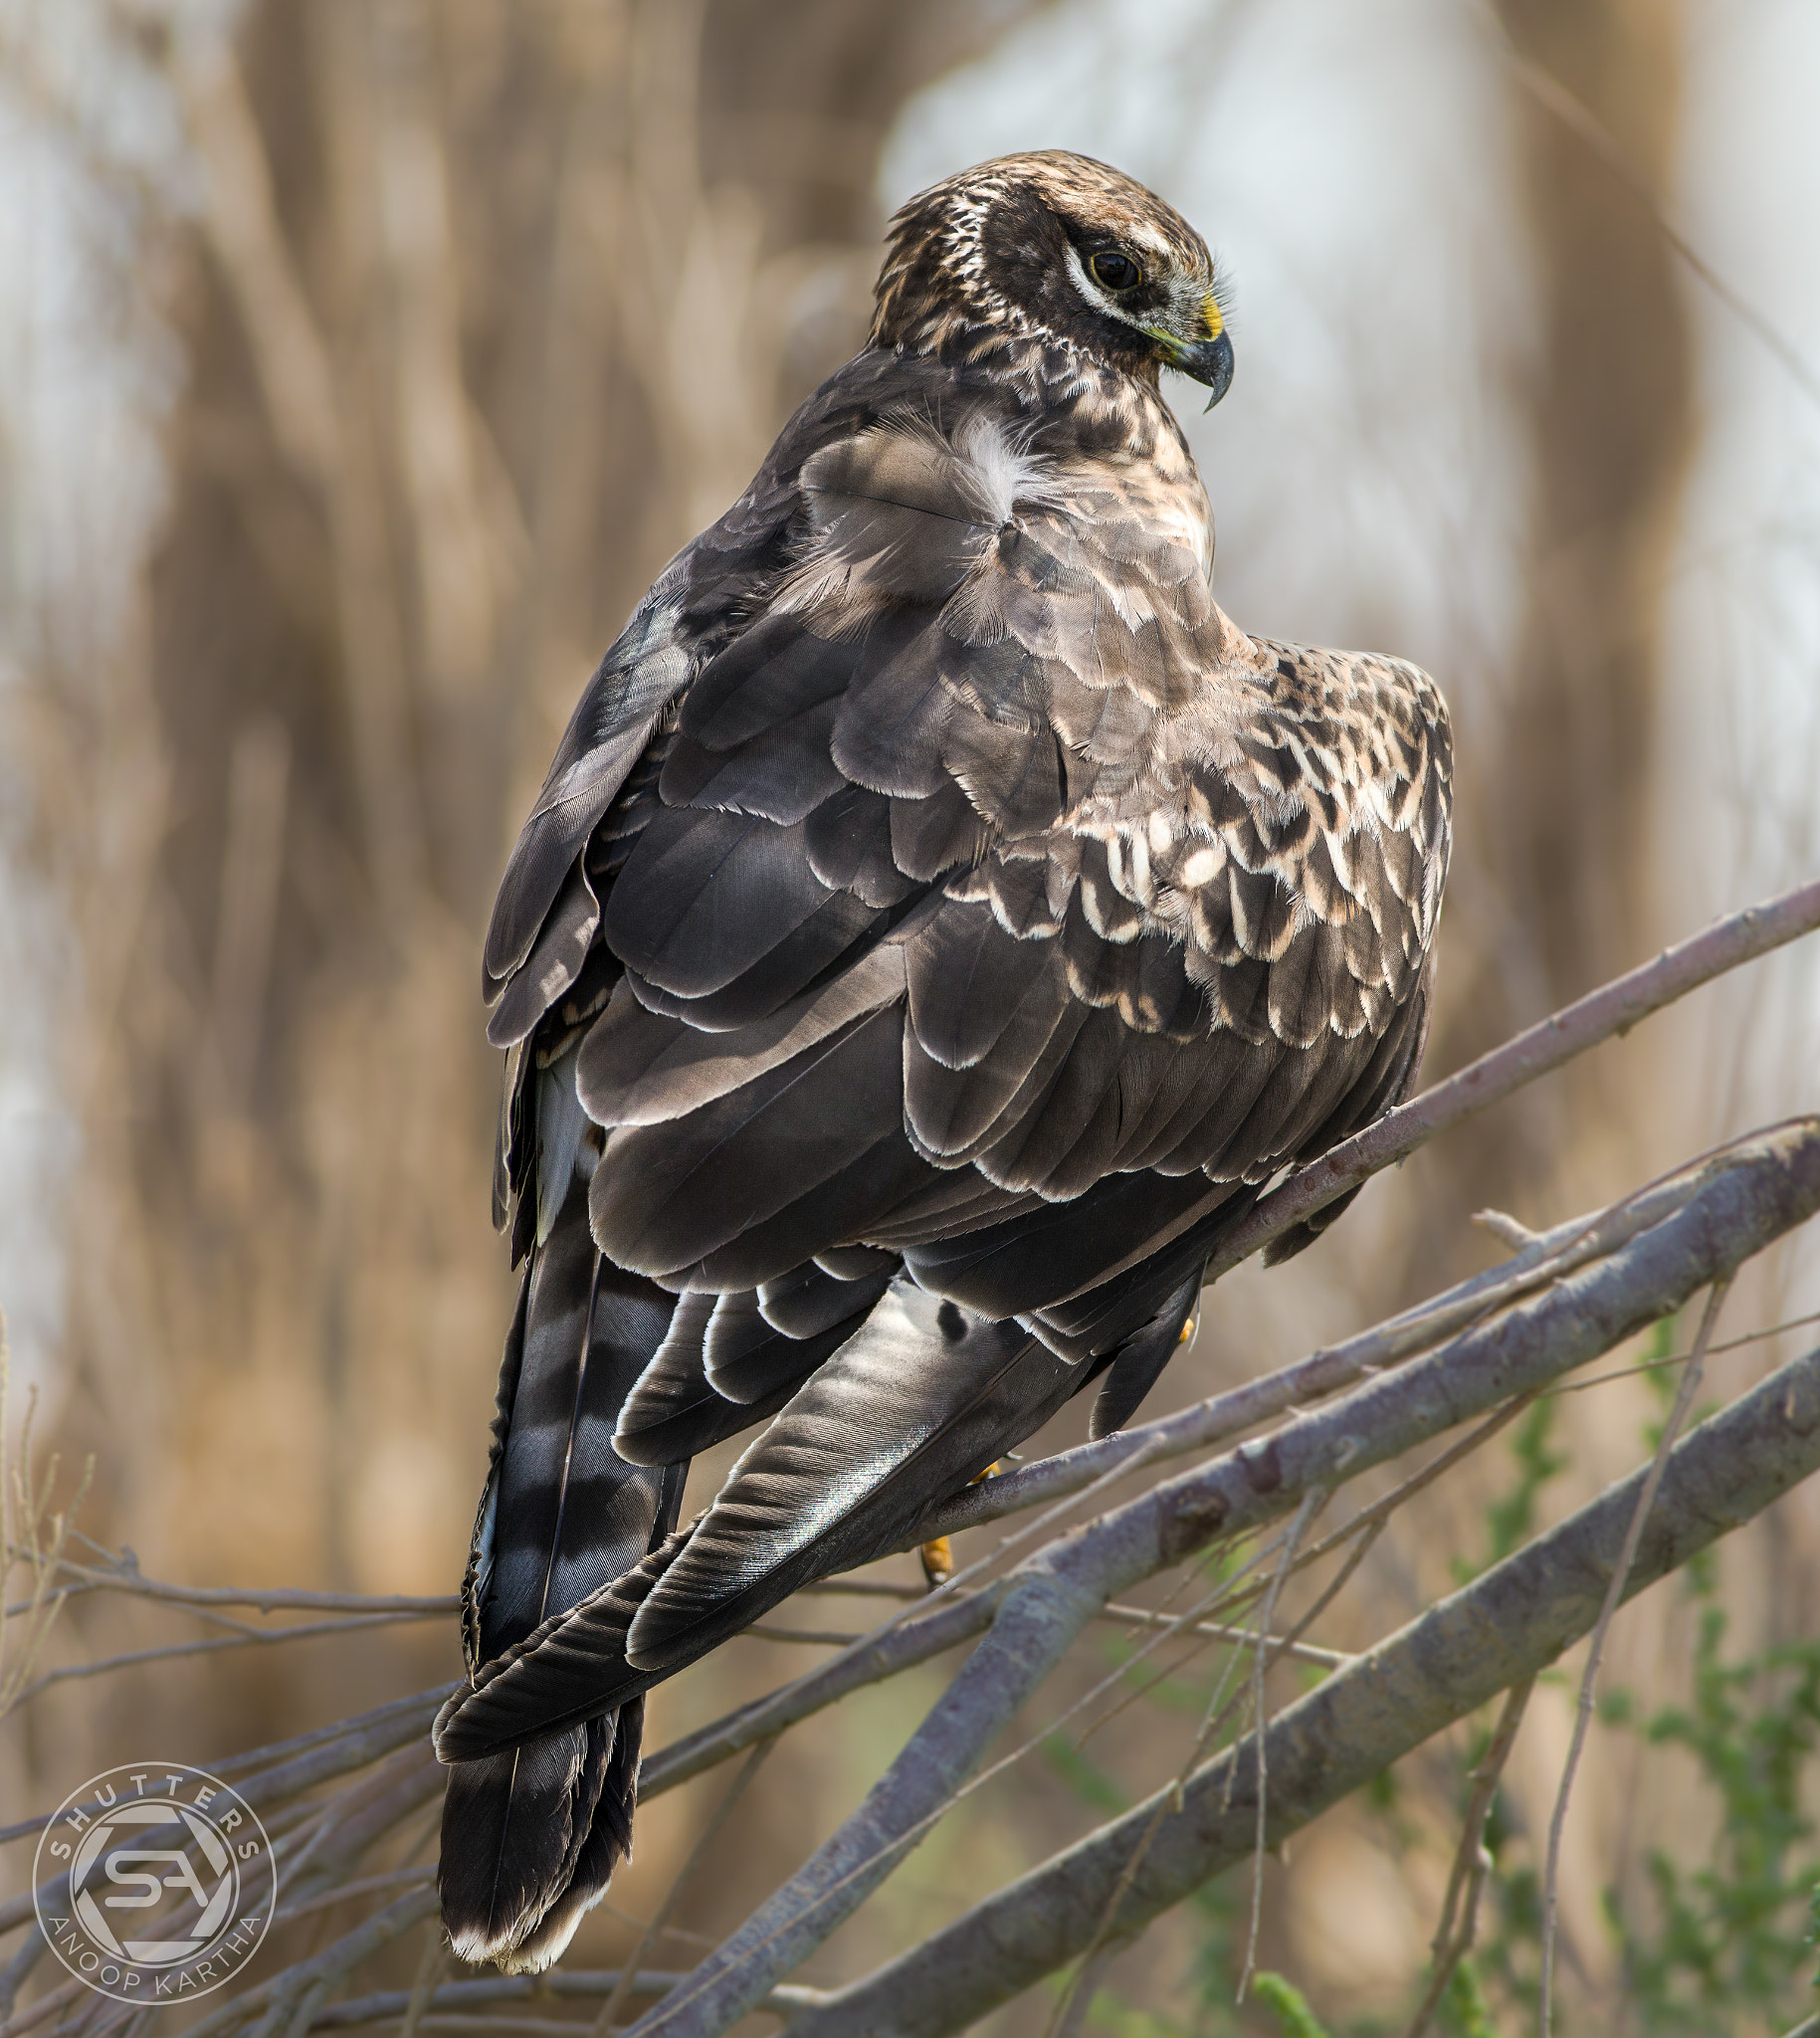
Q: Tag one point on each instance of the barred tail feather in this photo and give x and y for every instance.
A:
(532, 1836)
(608, 1842)
(514, 1828)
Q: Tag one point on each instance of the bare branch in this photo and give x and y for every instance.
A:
(1509, 1624)
(271, 1599)
(562, 1984)
(1458, 1927)
(302, 1631)
(363, 1885)
(1311, 1502)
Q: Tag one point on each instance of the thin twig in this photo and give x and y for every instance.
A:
(1472, 1863)
(1614, 1593)
(814, 1638)
(32, 1533)
(1508, 1229)
(366, 1886)
(871, 1588)
(1312, 1503)
(1220, 1631)
(1652, 1365)
(303, 1631)
(710, 1833)
(430, 1970)
(125, 1576)
(1077, 2003)
(1240, 1590)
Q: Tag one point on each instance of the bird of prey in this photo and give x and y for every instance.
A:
(937, 927)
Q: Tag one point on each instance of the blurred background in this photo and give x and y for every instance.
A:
(364, 360)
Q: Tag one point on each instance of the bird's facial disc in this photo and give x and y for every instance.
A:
(1142, 288)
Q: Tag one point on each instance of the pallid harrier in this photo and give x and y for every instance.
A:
(938, 924)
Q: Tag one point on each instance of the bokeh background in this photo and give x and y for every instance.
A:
(363, 360)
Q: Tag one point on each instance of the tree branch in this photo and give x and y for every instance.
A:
(125, 1577)
(1612, 1009)
(1497, 1632)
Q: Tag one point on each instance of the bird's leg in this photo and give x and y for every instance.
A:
(937, 1561)
(938, 1555)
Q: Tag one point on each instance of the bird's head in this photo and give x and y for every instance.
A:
(1056, 247)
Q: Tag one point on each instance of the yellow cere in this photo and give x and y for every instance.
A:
(1215, 324)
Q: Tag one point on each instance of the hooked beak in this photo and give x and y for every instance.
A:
(1208, 361)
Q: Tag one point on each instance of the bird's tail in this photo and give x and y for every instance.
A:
(531, 1837)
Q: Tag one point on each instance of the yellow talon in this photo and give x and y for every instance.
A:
(939, 1556)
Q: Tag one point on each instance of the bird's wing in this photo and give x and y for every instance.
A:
(993, 864)
(700, 600)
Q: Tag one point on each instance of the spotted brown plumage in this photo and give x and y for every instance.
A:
(940, 922)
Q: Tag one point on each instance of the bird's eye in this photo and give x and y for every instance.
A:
(1116, 271)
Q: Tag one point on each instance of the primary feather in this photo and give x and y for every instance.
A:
(940, 922)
